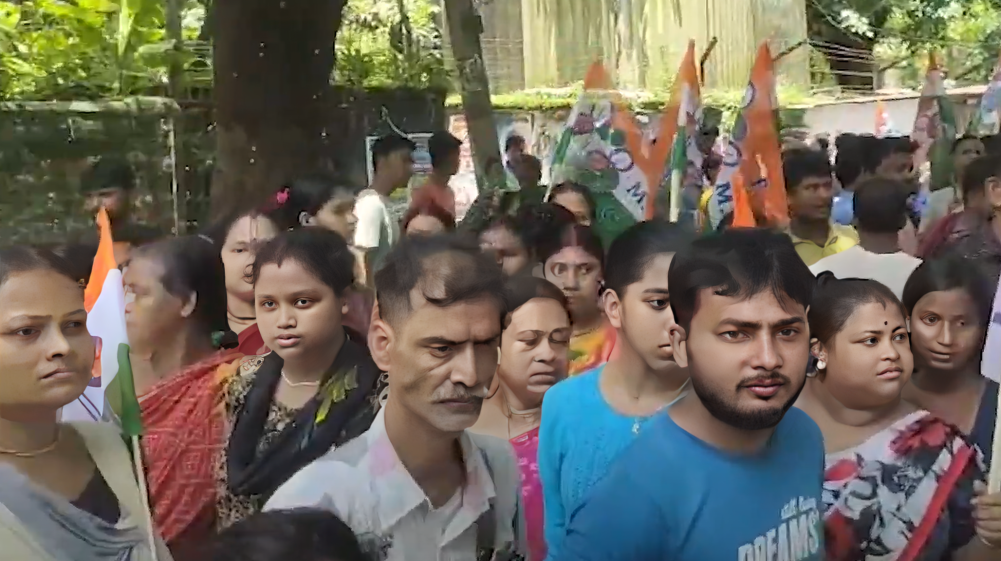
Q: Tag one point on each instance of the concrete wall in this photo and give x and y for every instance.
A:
(860, 116)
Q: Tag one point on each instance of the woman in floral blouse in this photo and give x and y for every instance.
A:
(319, 387)
(534, 349)
(899, 482)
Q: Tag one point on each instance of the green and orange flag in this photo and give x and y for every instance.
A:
(111, 394)
(602, 147)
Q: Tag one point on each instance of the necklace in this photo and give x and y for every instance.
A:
(238, 318)
(34, 453)
(637, 421)
(292, 384)
(512, 412)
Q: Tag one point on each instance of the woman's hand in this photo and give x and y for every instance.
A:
(987, 516)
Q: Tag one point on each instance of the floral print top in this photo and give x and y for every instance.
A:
(526, 448)
(233, 508)
(902, 495)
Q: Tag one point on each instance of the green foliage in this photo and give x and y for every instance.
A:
(966, 33)
(379, 45)
(86, 49)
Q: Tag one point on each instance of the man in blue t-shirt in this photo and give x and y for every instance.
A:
(730, 472)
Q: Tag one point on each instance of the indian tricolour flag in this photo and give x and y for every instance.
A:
(679, 126)
(111, 395)
(884, 123)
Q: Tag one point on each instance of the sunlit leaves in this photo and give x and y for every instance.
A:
(370, 45)
(87, 49)
(965, 33)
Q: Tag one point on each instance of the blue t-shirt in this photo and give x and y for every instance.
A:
(579, 438)
(843, 208)
(672, 497)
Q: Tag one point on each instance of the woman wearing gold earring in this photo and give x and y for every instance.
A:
(68, 491)
(899, 482)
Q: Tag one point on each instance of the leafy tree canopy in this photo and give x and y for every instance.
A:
(965, 33)
(91, 49)
(85, 49)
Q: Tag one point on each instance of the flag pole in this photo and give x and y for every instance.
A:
(705, 58)
(990, 365)
(994, 479)
(144, 494)
(675, 196)
(679, 155)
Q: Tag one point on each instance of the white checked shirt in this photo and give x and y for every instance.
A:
(367, 486)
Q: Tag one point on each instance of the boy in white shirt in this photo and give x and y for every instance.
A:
(377, 231)
(880, 214)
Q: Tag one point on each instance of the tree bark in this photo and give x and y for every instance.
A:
(180, 176)
(464, 29)
(272, 62)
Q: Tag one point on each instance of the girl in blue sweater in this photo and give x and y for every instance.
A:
(587, 421)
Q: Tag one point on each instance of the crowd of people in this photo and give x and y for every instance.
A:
(320, 381)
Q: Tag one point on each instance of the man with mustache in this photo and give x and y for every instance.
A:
(417, 485)
(730, 471)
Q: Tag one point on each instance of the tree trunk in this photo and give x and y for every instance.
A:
(464, 28)
(272, 61)
(180, 178)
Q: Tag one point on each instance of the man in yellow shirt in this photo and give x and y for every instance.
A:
(810, 191)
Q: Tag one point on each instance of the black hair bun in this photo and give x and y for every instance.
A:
(825, 277)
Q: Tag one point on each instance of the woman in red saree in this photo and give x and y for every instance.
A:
(175, 296)
(899, 482)
(237, 239)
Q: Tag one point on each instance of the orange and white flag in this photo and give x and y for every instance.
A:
(603, 147)
(752, 160)
(104, 300)
(679, 127)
